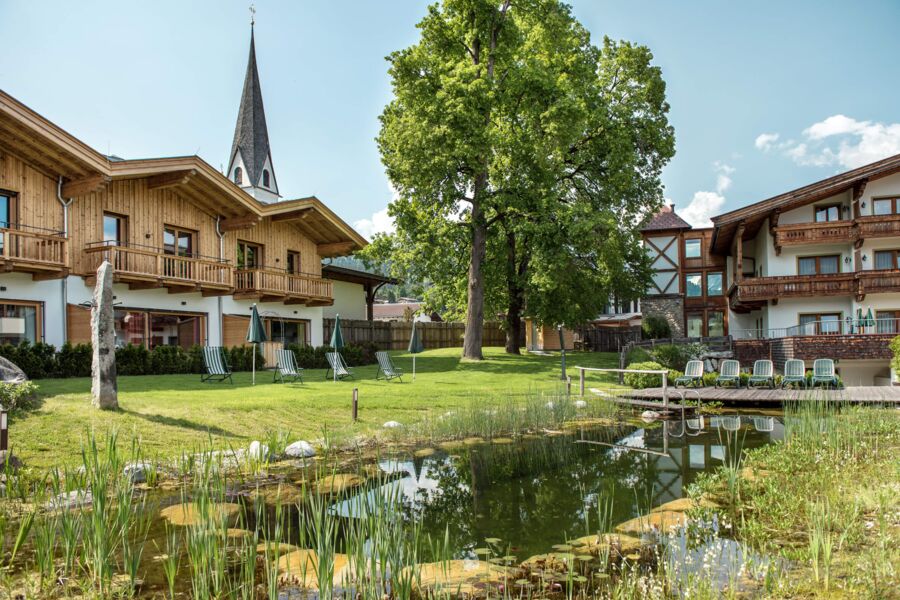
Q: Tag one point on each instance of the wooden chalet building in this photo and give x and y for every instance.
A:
(803, 272)
(192, 248)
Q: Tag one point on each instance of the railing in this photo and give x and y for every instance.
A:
(878, 280)
(878, 226)
(814, 233)
(764, 288)
(280, 282)
(35, 245)
(147, 262)
(830, 327)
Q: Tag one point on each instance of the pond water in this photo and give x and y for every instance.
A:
(544, 490)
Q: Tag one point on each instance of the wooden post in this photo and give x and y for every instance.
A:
(568, 386)
(581, 377)
(355, 403)
(739, 253)
(4, 430)
(665, 390)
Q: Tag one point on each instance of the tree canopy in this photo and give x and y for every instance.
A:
(524, 158)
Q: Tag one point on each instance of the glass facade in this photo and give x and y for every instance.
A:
(19, 323)
(152, 329)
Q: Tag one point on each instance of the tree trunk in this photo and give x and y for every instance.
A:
(514, 295)
(475, 308)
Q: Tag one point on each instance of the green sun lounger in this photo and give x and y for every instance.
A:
(286, 367)
(337, 367)
(763, 374)
(386, 367)
(693, 374)
(729, 372)
(823, 372)
(216, 365)
(794, 373)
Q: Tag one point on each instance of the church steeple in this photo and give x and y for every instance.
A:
(250, 165)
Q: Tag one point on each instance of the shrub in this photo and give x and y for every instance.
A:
(637, 354)
(18, 396)
(640, 381)
(241, 358)
(655, 327)
(670, 356)
(36, 360)
(169, 360)
(132, 360)
(74, 361)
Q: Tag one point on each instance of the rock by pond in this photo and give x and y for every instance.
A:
(392, 425)
(301, 568)
(300, 449)
(70, 500)
(660, 521)
(190, 514)
(462, 576)
(339, 483)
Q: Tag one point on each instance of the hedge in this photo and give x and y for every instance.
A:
(42, 360)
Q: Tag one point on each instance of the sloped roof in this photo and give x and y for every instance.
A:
(251, 136)
(666, 219)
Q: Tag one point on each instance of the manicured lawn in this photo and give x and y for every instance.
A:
(174, 412)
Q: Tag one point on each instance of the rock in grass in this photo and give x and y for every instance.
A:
(8, 461)
(580, 404)
(70, 500)
(300, 449)
(137, 471)
(392, 425)
(301, 568)
(649, 416)
(259, 451)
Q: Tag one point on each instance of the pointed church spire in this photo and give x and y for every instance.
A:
(250, 165)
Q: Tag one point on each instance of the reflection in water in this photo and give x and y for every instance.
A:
(542, 491)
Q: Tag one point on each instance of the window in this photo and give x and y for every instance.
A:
(249, 256)
(290, 332)
(238, 175)
(820, 324)
(20, 322)
(694, 325)
(293, 262)
(152, 329)
(886, 321)
(265, 178)
(714, 284)
(715, 323)
(178, 242)
(693, 285)
(7, 209)
(831, 212)
(692, 248)
(885, 206)
(887, 259)
(818, 265)
(115, 229)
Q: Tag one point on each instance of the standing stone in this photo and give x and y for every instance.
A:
(104, 390)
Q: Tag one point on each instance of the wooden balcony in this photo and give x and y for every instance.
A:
(752, 292)
(275, 285)
(145, 267)
(878, 226)
(797, 234)
(878, 281)
(41, 252)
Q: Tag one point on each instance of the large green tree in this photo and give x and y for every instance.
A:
(523, 158)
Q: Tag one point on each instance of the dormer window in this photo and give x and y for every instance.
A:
(265, 178)
(238, 175)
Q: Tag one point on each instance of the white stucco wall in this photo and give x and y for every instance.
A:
(887, 186)
(349, 301)
(788, 310)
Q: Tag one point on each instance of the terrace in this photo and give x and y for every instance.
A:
(266, 284)
(35, 250)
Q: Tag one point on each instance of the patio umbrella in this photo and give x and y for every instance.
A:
(337, 339)
(415, 346)
(860, 323)
(256, 334)
(870, 318)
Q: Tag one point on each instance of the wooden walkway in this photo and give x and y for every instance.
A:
(861, 394)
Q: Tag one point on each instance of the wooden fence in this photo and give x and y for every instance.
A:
(607, 339)
(394, 335)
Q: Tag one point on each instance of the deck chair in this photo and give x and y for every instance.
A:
(386, 367)
(794, 373)
(823, 372)
(763, 374)
(693, 374)
(732, 423)
(286, 367)
(216, 365)
(336, 365)
(729, 372)
(764, 424)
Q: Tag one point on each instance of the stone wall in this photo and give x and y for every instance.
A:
(670, 307)
(811, 347)
(747, 351)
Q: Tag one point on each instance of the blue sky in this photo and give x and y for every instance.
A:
(766, 96)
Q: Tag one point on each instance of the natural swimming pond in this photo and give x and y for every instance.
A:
(485, 517)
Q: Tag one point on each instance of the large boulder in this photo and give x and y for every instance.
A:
(10, 372)
(300, 449)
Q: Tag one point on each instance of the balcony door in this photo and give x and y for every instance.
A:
(115, 234)
(249, 258)
(820, 324)
(178, 242)
(7, 215)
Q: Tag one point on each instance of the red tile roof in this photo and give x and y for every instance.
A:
(666, 219)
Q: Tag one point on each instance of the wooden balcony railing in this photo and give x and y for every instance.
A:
(31, 249)
(814, 233)
(134, 264)
(878, 281)
(795, 286)
(278, 284)
(878, 226)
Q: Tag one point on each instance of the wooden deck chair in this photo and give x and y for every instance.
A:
(794, 373)
(286, 367)
(693, 374)
(763, 374)
(764, 424)
(337, 366)
(216, 365)
(729, 372)
(386, 367)
(823, 372)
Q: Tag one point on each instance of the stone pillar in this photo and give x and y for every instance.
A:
(104, 389)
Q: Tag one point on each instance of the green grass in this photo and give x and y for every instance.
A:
(174, 412)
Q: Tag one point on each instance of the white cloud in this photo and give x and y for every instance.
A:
(701, 208)
(723, 178)
(838, 141)
(379, 222)
(765, 141)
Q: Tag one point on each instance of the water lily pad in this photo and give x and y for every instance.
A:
(424, 452)
(562, 547)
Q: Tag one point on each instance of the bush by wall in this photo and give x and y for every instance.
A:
(41, 360)
(640, 381)
(655, 327)
(670, 356)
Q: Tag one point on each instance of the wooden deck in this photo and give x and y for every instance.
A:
(861, 394)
